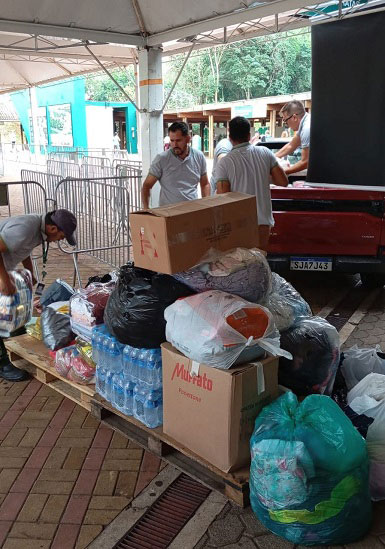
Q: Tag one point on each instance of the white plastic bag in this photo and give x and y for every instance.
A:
(368, 397)
(358, 363)
(198, 326)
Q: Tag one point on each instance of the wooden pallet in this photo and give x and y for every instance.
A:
(234, 485)
(30, 354)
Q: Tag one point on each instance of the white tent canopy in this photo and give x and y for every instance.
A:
(44, 40)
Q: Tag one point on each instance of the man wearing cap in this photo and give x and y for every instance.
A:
(19, 236)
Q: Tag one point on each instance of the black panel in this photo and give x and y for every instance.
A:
(348, 102)
(374, 208)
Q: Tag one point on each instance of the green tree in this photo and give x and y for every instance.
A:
(100, 87)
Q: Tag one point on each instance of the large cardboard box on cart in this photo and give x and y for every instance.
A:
(213, 414)
(173, 238)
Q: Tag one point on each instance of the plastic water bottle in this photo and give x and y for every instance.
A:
(151, 405)
(126, 358)
(95, 348)
(160, 408)
(154, 369)
(118, 391)
(142, 365)
(138, 404)
(101, 380)
(115, 355)
(129, 388)
(134, 364)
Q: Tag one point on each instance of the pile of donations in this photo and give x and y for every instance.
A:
(199, 331)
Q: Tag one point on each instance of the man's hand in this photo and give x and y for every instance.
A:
(37, 304)
(7, 286)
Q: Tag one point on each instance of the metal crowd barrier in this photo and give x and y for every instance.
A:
(133, 178)
(34, 200)
(95, 166)
(101, 207)
(62, 168)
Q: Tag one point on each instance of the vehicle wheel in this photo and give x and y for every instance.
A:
(373, 280)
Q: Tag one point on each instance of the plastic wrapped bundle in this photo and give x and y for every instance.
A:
(81, 371)
(33, 328)
(55, 328)
(57, 291)
(315, 346)
(285, 304)
(16, 310)
(135, 311)
(368, 398)
(63, 360)
(220, 329)
(241, 272)
(309, 472)
(87, 305)
(359, 362)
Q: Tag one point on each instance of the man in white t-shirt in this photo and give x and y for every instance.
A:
(297, 119)
(249, 169)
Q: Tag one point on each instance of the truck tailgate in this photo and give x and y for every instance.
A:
(325, 221)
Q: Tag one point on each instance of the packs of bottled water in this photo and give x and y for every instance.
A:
(129, 378)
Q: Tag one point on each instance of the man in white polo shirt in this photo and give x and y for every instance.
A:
(297, 119)
(178, 170)
(249, 169)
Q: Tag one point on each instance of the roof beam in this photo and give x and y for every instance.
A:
(240, 16)
(20, 27)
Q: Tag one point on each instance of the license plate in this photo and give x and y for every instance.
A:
(311, 264)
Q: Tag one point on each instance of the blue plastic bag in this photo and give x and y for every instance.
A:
(309, 472)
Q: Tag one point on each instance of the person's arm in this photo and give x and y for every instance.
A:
(205, 185)
(279, 177)
(289, 147)
(27, 264)
(7, 286)
(148, 184)
(301, 164)
(223, 186)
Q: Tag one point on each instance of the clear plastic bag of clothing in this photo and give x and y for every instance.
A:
(309, 472)
(241, 271)
(368, 397)
(135, 310)
(359, 362)
(315, 346)
(220, 329)
(16, 310)
(285, 304)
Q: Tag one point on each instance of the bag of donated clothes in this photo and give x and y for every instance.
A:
(16, 310)
(56, 326)
(240, 271)
(309, 472)
(368, 398)
(315, 346)
(57, 291)
(87, 305)
(359, 362)
(135, 311)
(285, 304)
(221, 329)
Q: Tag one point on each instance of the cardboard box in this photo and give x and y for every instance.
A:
(174, 238)
(213, 414)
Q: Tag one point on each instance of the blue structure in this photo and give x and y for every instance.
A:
(64, 120)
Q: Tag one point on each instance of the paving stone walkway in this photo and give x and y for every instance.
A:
(63, 476)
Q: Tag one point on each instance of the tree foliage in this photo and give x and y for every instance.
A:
(242, 70)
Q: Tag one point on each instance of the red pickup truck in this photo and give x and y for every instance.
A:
(329, 228)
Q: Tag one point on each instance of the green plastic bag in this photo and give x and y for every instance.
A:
(309, 472)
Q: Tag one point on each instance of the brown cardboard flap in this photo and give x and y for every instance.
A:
(181, 208)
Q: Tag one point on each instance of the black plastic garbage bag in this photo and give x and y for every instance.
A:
(57, 291)
(315, 346)
(55, 329)
(135, 310)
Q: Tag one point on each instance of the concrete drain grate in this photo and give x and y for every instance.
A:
(167, 516)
